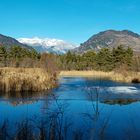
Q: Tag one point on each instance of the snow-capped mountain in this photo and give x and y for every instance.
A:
(48, 45)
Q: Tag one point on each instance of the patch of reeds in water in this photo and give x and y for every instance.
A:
(25, 79)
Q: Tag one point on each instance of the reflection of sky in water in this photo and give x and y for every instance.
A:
(124, 90)
(79, 95)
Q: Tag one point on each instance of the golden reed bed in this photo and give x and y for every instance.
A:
(128, 77)
(25, 79)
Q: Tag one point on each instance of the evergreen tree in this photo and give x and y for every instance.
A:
(89, 60)
(129, 57)
(122, 56)
(104, 60)
(3, 55)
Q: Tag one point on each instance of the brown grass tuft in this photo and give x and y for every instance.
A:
(25, 79)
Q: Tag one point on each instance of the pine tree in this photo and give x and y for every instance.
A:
(3, 55)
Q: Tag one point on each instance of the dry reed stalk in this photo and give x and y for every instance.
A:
(25, 79)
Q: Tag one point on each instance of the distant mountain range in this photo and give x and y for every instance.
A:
(110, 39)
(41, 45)
(48, 45)
(9, 41)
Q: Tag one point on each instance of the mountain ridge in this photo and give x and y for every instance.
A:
(8, 41)
(111, 39)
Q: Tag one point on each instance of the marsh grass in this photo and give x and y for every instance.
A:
(120, 76)
(25, 79)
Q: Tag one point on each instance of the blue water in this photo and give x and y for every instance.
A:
(86, 108)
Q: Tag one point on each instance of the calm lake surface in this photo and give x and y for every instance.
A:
(79, 109)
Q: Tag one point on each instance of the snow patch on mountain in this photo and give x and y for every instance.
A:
(48, 45)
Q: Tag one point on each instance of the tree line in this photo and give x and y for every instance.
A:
(104, 60)
(17, 56)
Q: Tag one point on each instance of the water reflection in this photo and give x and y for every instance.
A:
(21, 98)
(77, 110)
(23, 95)
(53, 125)
(120, 101)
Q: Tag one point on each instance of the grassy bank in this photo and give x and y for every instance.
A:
(25, 79)
(128, 77)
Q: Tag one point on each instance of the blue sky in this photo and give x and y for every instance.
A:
(71, 20)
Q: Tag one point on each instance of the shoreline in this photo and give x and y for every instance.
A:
(126, 77)
(38, 79)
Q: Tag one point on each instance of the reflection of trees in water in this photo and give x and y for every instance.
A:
(120, 101)
(109, 92)
(23, 95)
(98, 124)
(59, 124)
(20, 98)
(56, 125)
